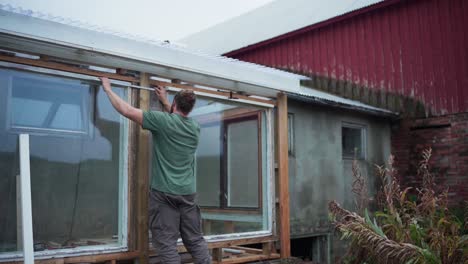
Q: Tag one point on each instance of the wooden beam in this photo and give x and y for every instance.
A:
(133, 134)
(246, 259)
(218, 93)
(283, 175)
(102, 258)
(69, 68)
(229, 243)
(143, 164)
(65, 67)
(85, 259)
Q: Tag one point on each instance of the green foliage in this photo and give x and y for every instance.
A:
(407, 228)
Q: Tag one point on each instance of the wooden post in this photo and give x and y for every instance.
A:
(283, 175)
(143, 163)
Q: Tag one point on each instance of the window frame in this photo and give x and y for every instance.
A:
(123, 215)
(223, 188)
(363, 129)
(87, 106)
(291, 138)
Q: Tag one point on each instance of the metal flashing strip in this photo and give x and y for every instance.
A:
(318, 97)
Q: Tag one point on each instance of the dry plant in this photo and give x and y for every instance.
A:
(359, 189)
(404, 230)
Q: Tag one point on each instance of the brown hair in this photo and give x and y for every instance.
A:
(185, 100)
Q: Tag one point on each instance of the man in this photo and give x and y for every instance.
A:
(172, 206)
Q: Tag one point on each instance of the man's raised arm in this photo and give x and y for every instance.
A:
(120, 105)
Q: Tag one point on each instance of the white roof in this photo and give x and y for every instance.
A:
(269, 21)
(30, 32)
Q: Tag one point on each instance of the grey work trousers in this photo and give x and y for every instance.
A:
(171, 215)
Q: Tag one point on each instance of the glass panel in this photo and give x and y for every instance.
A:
(58, 105)
(75, 178)
(10, 241)
(229, 171)
(229, 145)
(242, 163)
(10, 221)
(352, 142)
(209, 166)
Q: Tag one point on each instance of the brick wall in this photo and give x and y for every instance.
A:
(448, 138)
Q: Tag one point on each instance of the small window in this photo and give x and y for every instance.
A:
(290, 134)
(353, 141)
(44, 105)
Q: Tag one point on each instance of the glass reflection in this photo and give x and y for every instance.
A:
(230, 166)
(75, 157)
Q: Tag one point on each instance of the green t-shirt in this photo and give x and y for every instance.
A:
(175, 140)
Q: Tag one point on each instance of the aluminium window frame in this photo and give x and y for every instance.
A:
(123, 223)
(86, 116)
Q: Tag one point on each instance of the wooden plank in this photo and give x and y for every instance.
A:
(248, 250)
(246, 259)
(26, 207)
(65, 67)
(283, 176)
(143, 164)
(102, 257)
(229, 243)
(85, 259)
(218, 93)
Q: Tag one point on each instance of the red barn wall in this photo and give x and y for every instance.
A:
(414, 48)
(402, 55)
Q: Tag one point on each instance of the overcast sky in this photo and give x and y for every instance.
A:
(160, 19)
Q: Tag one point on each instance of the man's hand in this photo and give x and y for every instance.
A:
(120, 105)
(161, 92)
(105, 83)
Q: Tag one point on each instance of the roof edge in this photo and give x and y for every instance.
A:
(324, 23)
(361, 109)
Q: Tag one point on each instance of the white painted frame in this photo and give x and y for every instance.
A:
(26, 208)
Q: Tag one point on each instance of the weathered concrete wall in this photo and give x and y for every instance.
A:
(318, 173)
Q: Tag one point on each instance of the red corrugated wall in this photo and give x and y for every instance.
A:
(415, 48)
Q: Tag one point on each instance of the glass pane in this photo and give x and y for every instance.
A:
(10, 241)
(209, 166)
(235, 206)
(242, 163)
(75, 178)
(352, 142)
(58, 105)
(10, 221)
(228, 172)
